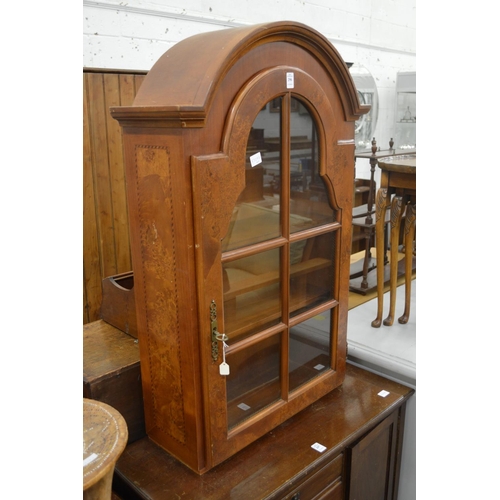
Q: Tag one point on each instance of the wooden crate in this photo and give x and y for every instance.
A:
(118, 302)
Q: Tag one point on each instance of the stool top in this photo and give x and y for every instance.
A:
(105, 436)
(406, 164)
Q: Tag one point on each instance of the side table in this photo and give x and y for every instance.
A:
(363, 217)
(399, 177)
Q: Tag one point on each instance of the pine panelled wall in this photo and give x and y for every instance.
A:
(106, 246)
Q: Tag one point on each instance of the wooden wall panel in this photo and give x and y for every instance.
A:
(106, 245)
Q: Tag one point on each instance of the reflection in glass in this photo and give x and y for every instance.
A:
(256, 214)
(252, 299)
(406, 120)
(309, 349)
(254, 379)
(367, 94)
(311, 272)
(252, 223)
(309, 206)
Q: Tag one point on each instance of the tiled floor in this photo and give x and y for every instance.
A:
(388, 349)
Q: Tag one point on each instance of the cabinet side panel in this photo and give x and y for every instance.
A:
(159, 198)
(160, 299)
(341, 170)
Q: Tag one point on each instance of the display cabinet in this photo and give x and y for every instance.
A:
(406, 111)
(239, 151)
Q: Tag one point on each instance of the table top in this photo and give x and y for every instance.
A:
(105, 436)
(106, 349)
(402, 163)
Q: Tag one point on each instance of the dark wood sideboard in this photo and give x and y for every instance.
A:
(361, 430)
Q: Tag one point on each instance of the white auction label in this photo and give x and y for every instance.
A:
(383, 393)
(255, 159)
(243, 406)
(318, 447)
(289, 80)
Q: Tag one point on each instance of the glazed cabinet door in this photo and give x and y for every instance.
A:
(277, 265)
(268, 239)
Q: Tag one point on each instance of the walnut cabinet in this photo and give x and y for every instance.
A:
(239, 152)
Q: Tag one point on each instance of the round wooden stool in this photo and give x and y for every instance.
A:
(105, 436)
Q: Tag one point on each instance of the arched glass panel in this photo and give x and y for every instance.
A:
(256, 215)
(309, 206)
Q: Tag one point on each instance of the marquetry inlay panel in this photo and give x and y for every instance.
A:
(161, 299)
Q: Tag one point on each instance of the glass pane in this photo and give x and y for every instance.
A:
(309, 349)
(252, 300)
(311, 272)
(254, 379)
(256, 214)
(309, 206)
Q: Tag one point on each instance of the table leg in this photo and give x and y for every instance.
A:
(368, 238)
(396, 214)
(381, 207)
(410, 222)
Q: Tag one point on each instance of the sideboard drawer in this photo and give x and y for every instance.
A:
(333, 492)
(321, 482)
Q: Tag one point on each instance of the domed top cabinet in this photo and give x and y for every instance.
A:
(239, 151)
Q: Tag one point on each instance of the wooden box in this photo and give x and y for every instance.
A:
(118, 302)
(111, 373)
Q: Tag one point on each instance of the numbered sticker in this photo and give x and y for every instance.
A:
(290, 81)
(255, 159)
(318, 447)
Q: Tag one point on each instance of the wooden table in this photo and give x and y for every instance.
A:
(361, 280)
(399, 178)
